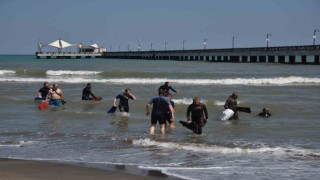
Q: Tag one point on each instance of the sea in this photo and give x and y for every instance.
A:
(283, 146)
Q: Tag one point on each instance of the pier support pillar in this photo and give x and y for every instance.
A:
(262, 59)
(281, 59)
(253, 59)
(225, 59)
(304, 59)
(316, 59)
(234, 59)
(292, 59)
(244, 59)
(213, 58)
(271, 59)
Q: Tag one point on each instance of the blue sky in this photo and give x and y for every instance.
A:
(114, 23)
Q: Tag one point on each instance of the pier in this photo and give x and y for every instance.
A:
(67, 55)
(282, 54)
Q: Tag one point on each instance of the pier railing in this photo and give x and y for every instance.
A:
(282, 54)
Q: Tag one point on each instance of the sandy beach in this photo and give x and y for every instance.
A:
(26, 170)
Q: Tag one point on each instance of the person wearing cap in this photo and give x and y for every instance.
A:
(87, 92)
(166, 88)
(265, 112)
(231, 103)
(161, 104)
(124, 100)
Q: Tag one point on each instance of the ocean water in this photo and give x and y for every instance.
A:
(284, 146)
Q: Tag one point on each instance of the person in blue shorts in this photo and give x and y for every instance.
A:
(124, 100)
(55, 95)
(161, 104)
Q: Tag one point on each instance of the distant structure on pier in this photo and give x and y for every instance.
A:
(83, 50)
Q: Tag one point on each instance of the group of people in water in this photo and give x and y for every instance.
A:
(162, 106)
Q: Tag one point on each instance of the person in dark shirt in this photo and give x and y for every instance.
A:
(161, 104)
(87, 92)
(43, 92)
(124, 100)
(265, 112)
(169, 114)
(166, 88)
(231, 103)
(197, 116)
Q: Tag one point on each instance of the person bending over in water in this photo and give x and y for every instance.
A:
(231, 103)
(86, 92)
(43, 92)
(166, 88)
(161, 104)
(55, 95)
(265, 112)
(199, 115)
(124, 100)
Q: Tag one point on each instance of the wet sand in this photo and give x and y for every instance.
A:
(32, 170)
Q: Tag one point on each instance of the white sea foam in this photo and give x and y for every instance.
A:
(16, 144)
(227, 150)
(185, 101)
(182, 101)
(7, 72)
(62, 72)
(220, 103)
(280, 81)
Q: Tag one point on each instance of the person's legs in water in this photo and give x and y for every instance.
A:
(162, 122)
(152, 127)
(124, 109)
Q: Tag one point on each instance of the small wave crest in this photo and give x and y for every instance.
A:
(64, 72)
(185, 101)
(280, 81)
(246, 149)
(15, 143)
(7, 72)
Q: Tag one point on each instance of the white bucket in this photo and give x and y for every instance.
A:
(226, 114)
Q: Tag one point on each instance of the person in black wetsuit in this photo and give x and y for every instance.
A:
(231, 103)
(161, 104)
(169, 114)
(265, 112)
(87, 92)
(43, 92)
(198, 118)
(166, 88)
(124, 100)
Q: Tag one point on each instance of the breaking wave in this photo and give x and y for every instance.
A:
(279, 81)
(7, 72)
(62, 72)
(185, 101)
(246, 149)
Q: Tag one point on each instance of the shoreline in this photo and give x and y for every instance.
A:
(16, 169)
